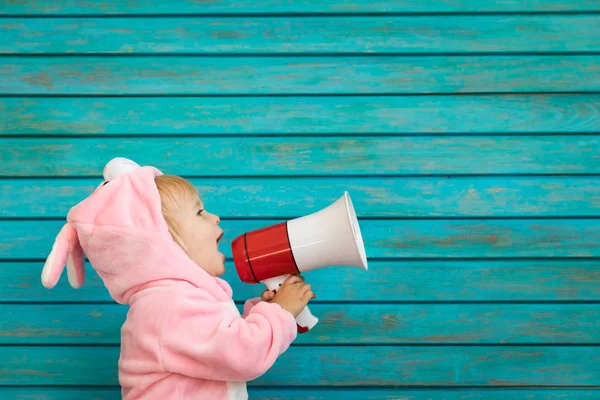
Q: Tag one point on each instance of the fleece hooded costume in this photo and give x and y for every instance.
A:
(184, 338)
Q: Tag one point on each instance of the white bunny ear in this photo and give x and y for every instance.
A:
(118, 166)
(66, 250)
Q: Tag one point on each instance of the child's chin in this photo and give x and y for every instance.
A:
(221, 270)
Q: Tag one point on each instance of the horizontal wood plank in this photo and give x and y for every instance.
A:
(422, 281)
(401, 239)
(47, 393)
(277, 35)
(312, 75)
(418, 197)
(338, 324)
(544, 113)
(252, 156)
(143, 7)
(337, 366)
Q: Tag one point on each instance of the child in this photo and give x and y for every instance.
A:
(156, 248)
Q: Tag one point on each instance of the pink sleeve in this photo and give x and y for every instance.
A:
(249, 304)
(202, 338)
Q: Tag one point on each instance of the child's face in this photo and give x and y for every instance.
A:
(200, 233)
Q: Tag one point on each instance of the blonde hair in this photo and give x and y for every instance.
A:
(173, 190)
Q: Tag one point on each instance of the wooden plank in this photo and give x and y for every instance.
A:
(422, 281)
(314, 35)
(337, 366)
(547, 113)
(251, 156)
(284, 75)
(408, 197)
(362, 324)
(142, 7)
(76, 393)
(401, 239)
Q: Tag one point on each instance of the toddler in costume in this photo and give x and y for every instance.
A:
(156, 249)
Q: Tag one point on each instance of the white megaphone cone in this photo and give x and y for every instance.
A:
(330, 237)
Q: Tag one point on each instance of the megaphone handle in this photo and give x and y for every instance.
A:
(305, 320)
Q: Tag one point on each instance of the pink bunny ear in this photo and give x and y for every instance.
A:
(66, 250)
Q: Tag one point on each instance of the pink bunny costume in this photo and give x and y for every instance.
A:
(184, 338)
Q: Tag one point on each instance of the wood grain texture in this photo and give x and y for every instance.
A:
(408, 197)
(76, 393)
(141, 7)
(386, 281)
(401, 239)
(312, 75)
(338, 324)
(463, 114)
(274, 108)
(276, 35)
(337, 366)
(252, 156)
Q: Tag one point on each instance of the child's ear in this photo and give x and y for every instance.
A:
(65, 251)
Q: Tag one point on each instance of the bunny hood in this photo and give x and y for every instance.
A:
(183, 337)
(121, 229)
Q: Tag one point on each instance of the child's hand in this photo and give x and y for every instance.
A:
(293, 295)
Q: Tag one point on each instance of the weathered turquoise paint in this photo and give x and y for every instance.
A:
(365, 324)
(281, 116)
(276, 35)
(373, 197)
(308, 156)
(310, 75)
(401, 239)
(444, 280)
(469, 143)
(141, 7)
(339, 366)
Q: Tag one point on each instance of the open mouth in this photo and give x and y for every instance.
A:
(220, 237)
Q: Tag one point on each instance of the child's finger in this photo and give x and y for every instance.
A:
(267, 295)
(306, 290)
(293, 279)
(308, 294)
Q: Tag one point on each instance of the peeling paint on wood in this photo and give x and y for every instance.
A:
(339, 324)
(505, 94)
(423, 197)
(342, 366)
(306, 156)
(311, 75)
(399, 239)
(281, 116)
(422, 281)
(275, 35)
(199, 7)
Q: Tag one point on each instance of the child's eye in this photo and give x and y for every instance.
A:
(200, 212)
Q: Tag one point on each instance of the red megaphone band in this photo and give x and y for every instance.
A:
(264, 253)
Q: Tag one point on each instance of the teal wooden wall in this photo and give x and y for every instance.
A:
(466, 132)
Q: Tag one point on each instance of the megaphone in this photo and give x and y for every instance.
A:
(329, 237)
